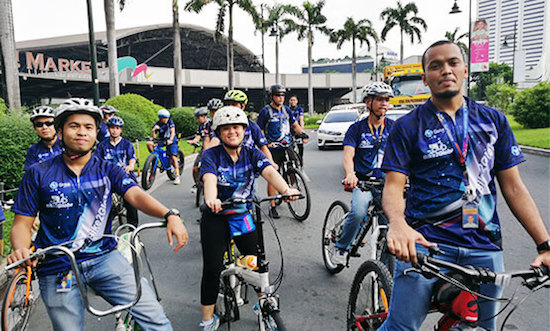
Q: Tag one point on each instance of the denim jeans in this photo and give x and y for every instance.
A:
(359, 206)
(411, 294)
(111, 277)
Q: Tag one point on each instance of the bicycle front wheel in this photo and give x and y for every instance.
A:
(16, 307)
(198, 195)
(332, 230)
(149, 171)
(271, 321)
(181, 160)
(369, 296)
(300, 208)
(226, 305)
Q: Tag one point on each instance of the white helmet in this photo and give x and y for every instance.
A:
(229, 115)
(163, 113)
(76, 106)
(376, 88)
(42, 111)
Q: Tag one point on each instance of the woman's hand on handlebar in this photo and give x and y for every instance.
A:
(214, 205)
(20, 254)
(294, 192)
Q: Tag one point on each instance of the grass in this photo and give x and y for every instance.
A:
(7, 227)
(530, 137)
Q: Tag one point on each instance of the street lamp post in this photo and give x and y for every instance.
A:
(93, 56)
(456, 10)
(275, 33)
(505, 44)
(263, 52)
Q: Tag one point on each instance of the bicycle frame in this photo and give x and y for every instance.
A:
(162, 156)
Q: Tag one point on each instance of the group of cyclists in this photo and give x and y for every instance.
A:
(450, 149)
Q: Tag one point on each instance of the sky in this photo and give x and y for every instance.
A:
(37, 19)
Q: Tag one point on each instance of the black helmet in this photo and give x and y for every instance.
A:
(277, 88)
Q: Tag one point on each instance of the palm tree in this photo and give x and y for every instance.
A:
(409, 25)
(7, 43)
(308, 18)
(178, 82)
(455, 38)
(226, 6)
(109, 5)
(275, 16)
(355, 31)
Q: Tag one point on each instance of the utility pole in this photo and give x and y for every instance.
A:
(93, 56)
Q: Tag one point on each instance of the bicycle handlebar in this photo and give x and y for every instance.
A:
(231, 202)
(41, 253)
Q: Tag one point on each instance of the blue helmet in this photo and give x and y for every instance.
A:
(164, 113)
(115, 121)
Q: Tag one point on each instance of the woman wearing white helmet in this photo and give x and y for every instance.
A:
(42, 119)
(228, 171)
(165, 129)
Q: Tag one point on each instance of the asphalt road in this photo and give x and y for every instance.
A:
(311, 299)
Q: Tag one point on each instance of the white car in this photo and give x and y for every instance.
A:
(394, 114)
(334, 126)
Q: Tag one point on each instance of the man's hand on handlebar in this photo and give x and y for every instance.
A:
(402, 241)
(214, 205)
(351, 181)
(176, 228)
(294, 192)
(542, 258)
(20, 254)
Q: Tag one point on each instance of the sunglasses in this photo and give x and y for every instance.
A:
(279, 95)
(41, 124)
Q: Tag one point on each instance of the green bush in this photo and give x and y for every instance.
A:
(531, 108)
(16, 135)
(186, 124)
(137, 105)
(3, 107)
(501, 96)
(134, 128)
(311, 120)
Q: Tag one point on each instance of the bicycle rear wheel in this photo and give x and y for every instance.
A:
(332, 229)
(16, 307)
(149, 171)
(300, 208)
(369, 296)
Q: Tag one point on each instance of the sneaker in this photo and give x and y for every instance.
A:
(274, 213)
(341, 257)
(256, 309)
(212, 325)
(194, 189)
(177, 181)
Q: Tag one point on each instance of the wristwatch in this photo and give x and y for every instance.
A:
(170, 213)
(545, 246)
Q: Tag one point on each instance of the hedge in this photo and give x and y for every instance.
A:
(137, 105)
(531, 107)
(186, 124)
(3, 107)
(134, 128)
(16, 135)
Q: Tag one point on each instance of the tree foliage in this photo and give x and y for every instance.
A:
(531, 108)
(456, 38)
(497, 72)
(501, 96)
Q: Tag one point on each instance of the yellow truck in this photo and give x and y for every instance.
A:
(406, 81)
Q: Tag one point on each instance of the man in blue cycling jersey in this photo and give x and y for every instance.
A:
(275, 119)
(167, 131)
(298, 113)
(72, 194)
(363, 153)
(120, 151)
(108, 112)
(451, 148)
(229, 171)
(48, 146)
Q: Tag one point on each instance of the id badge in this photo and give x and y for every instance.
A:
(64, 282)
(470, 217)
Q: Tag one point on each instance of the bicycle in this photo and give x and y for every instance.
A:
(42, 253)
(290, 170)
(198, 185)
(118, 210)
(461, 282)
(375, 221)
(235, 279)
(159, 159)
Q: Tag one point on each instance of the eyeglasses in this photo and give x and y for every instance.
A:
(279, 95)
(41, 124)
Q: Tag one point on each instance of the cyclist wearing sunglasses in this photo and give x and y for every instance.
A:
(49, 146)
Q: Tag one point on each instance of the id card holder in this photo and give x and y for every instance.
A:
(64, 282)
(470, 216)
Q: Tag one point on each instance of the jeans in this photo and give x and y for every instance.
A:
(411, 294)
(359, 206)
(111, 277)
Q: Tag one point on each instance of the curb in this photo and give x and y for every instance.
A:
(535, 150)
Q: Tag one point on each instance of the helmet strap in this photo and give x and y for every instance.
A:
(74, 156)
(47, 140)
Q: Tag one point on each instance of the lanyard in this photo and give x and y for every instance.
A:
(377, 139)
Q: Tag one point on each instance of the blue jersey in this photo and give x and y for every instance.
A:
(235, 179)
(2, 217)
(103, 133)
(296, 112)
(165, 130)
(276, 123)
(419, 147)
(205, 130)
(369, 148)
(71, 208)
(39, 153)
(120, 153)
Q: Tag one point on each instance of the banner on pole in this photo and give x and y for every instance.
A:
(479, 47)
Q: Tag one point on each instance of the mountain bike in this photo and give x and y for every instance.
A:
(159, 159)
(455, 294)
(290, 170)
(235, 279)
(375, 222)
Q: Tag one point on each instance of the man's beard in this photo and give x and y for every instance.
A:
(446, 94)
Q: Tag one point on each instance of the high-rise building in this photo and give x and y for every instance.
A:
(522, 25)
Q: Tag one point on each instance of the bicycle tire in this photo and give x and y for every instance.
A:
(149, 172)
(15, 311)
(118, 210)
(370, 294)
(332, 229)
(198, 195)
(226, 304)
(271, 321)
(298, 211)
(181, 160)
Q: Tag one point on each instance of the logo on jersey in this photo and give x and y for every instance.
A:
(515, 151)
(128, 181)
(55, 185)
(437, 149)
(428, 133)
(260, 163)
(59, 201)
(365, 142)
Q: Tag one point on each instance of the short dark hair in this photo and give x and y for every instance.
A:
(293, 96)
(439, 43)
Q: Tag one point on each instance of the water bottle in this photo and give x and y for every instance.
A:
(248, 261)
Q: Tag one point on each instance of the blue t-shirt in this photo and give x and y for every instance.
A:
(120, 154)
(276, 127)
(369, 149)
(71, 207)
(296, 112)
(103, 133)
(205, 130)
(419, 147)
(2, 217)
(235, 179)
(39, 153)
(164, 130)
